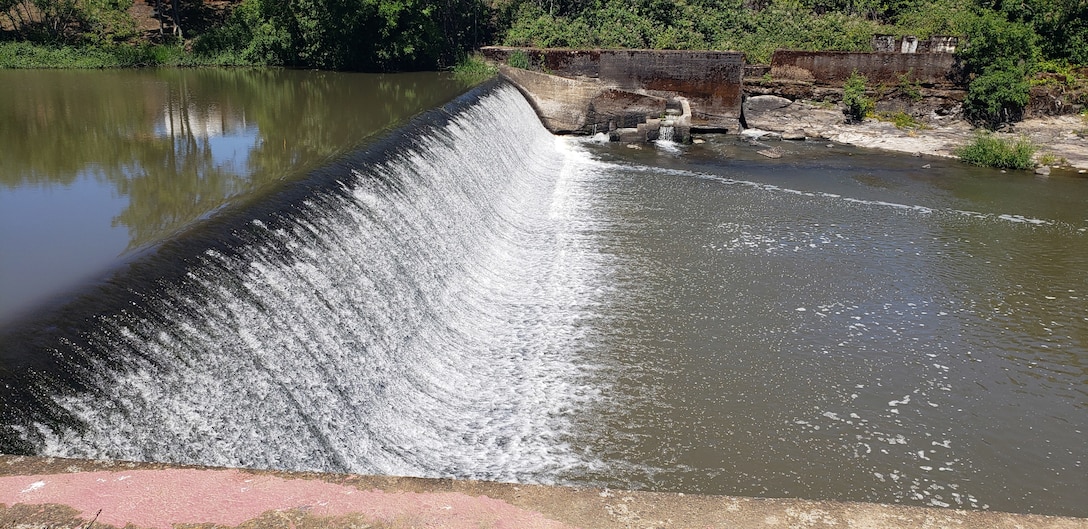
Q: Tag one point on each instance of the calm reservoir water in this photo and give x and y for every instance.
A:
(99, 165)
(473, 297)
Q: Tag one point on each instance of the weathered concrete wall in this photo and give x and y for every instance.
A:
(562, 104)
(911, 44)
(834, 67)
(55, 493)
(709, 80)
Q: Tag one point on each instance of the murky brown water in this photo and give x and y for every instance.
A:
(846, 323)
(99, 164)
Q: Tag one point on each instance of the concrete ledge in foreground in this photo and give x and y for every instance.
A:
(68, 493)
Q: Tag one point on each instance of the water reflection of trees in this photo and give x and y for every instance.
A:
(150, 134)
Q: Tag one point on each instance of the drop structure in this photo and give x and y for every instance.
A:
(412, 310)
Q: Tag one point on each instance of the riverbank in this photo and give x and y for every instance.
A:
(48, 492)
(1062, 141)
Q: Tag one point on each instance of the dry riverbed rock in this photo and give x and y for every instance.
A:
(778, 114)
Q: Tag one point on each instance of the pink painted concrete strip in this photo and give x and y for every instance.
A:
(160, 498)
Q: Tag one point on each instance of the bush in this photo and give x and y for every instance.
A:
(996, 97)
(473, 70)
(857, 104)
(997, 60)
(519, 59)
(988, 151)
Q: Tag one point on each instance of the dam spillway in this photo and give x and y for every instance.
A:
(473, 297)
(284, 344)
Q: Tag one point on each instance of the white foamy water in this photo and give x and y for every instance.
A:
(425, 321)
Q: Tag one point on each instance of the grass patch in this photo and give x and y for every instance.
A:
(902, 120)
(28, 55)
(519, 59)
(473, 70)
(1049, 158)
(988, 151)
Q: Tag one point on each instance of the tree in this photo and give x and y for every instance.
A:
(69, 21)
(369, 35)
(999, 56)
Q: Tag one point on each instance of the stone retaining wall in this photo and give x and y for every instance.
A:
(834, 67)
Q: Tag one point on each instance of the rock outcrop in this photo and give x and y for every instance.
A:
(778, 114)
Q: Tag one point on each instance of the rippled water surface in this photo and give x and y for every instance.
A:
(473, 297)
(843, 323)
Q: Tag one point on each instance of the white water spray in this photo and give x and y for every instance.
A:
(423, 322)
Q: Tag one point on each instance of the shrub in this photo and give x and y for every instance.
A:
(857, 104)
(996, 97)
(519, 59)
(910, 88)
(472, 69)
(902, 120)
(997, 60)
(988, 151)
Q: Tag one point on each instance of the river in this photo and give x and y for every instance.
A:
(469, 296)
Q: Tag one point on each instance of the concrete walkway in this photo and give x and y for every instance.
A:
(60, 493)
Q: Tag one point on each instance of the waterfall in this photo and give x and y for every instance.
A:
(666, 133)
(414, 309)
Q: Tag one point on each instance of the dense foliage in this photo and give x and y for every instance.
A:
(1007, 41)
(692, 24)
(350, 34)
(67, 21)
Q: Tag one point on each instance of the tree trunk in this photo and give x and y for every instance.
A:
(177, 18)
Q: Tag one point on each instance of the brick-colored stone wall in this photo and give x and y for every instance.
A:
(834, 67)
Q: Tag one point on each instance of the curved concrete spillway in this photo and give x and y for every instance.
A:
(411, 311)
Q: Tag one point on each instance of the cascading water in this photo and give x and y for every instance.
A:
(419, 316)
(667, 132)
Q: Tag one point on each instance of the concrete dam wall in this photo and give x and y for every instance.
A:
(590, 91)
(635, 95)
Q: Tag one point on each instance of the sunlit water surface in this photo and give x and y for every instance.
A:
(477, 298)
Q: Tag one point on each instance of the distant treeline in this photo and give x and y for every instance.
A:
(425, 34)
(1008, 41)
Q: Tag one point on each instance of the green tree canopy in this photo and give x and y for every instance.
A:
(368, 35)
